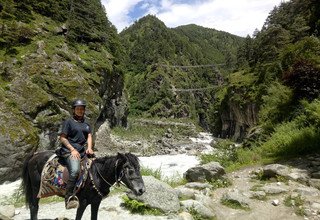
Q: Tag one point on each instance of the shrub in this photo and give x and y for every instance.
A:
(138, 207)
(304, 79)
(275, 105)
(291, 140)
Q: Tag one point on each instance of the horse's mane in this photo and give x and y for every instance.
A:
(133, 159)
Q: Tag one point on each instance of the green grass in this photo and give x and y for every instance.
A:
(150, 130)
(137, 207)
(242, 78)
(146, 171)
(220, 183)
(18, 199)
(297, 203)
(173, 181)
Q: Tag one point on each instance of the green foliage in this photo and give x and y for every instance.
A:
(312, 113)
(138, 207)
(87, 22)
(226, 154)
(58, 10)
(290, 139)
(145, 171)
(14, 34)
(297, 203)
(304, 79)
(306, 49)
(158, 89)
(276, 105)
(220, 183)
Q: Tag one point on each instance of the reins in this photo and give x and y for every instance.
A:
(118, 179)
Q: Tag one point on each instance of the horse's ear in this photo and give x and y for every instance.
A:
(122, 157)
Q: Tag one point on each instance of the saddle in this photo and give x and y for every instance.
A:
(55, 175)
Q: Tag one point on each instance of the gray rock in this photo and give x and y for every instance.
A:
(158, 195)
(275, 202)
(205, 172)
(197, 185)
(237, 197)
(316, 175)
(315, 205)
(298, 175)
(314, 183)
(185, 193)
(205, 200)
(197, 206)
(185, 216)
(308, 191)
(258, 195)
(273, 170)
(273, 189)
(7, 211)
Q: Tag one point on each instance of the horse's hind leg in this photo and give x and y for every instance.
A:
(34, 201)
(34, 207)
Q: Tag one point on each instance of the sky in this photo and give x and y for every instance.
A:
(239, 17)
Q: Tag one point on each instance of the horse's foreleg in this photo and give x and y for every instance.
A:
(94, 210)
(34, 207)
(82, 206)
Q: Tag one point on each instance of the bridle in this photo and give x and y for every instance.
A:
(118, 178)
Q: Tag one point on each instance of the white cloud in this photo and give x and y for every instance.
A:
(240, 17)
(118, 10)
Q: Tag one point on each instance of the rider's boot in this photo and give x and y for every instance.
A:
(70, 199)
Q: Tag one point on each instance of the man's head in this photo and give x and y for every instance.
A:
(79, 107)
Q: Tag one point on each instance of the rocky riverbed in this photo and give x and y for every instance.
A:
(288, 190)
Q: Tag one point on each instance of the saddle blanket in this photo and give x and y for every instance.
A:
(54, 177)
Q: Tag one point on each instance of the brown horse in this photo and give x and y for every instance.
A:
(104, 171)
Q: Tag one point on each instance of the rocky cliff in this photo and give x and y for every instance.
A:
(38, 81)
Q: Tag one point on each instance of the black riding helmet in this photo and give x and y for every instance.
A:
(79, 102)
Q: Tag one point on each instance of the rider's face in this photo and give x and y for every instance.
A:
(79, 111)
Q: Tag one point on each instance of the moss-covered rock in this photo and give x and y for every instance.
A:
(40, 78)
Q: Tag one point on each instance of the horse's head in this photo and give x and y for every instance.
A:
(130, 173)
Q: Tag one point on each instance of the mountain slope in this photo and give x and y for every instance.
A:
(157, 86)
(44, 65)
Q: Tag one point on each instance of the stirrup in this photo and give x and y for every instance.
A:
(72, 202)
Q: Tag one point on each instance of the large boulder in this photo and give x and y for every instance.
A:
(274, 170)
(207, 172)
(158, 195)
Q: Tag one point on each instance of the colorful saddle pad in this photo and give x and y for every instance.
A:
(54, 177)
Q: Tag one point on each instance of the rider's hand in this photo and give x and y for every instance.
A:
(89, 151)
(75, 154)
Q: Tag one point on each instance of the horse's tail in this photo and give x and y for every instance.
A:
(26, 181)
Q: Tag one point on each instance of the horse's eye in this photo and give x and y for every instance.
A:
(131, 172)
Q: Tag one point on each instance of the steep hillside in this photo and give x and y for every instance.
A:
(48, 57)
(168, 71)
(274, 94)
(216, 46)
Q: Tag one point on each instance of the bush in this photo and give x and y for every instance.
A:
(276, 105)
(289, 139)
(304, 79)
(138, 207)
